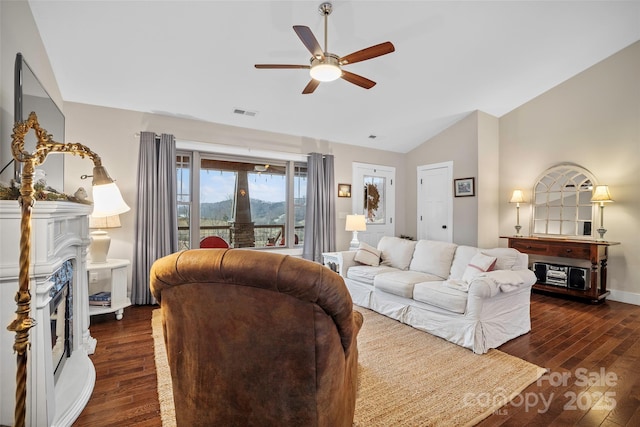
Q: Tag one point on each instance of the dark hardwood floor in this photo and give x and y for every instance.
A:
(125, 393)
(592, 353)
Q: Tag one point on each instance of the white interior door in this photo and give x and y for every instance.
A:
(435, 202)
(373, 195)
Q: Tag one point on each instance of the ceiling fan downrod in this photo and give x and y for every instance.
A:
(325, 10)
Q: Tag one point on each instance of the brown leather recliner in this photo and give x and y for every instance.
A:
(257, 339)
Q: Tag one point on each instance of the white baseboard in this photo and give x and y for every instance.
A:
(623, 296)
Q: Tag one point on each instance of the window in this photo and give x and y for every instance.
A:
(183, 169)
(374, 200)
(248, 202)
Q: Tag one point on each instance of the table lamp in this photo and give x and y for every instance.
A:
(100, 240)
(517, 197)
(355, 223)
(601, 195)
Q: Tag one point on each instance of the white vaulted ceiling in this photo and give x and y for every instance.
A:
(196, 59)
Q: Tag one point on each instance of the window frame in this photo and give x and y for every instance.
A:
(198, 150)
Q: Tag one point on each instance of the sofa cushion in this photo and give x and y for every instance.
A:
(396, 252)
(507, 258)
(461, 260)
(480, 263)
(440, 295)
(401, 282)
(366, 273)
(433, 257)
(368, 255)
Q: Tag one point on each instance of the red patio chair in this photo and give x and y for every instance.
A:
(213, 242)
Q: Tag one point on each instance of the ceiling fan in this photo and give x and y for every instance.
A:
(326, 66)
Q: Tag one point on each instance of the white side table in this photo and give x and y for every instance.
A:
(109, 276)
(333, 260)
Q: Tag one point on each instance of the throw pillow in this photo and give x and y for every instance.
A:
(480, 263)
(433, 257)
(368, 255)
(507, 258)
(396, 252)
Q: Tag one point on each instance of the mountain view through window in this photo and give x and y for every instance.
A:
(245, 203)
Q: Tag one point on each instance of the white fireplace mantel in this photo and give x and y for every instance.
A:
(60, 232)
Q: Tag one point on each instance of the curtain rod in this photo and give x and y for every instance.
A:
(137, 135)
(251, 150)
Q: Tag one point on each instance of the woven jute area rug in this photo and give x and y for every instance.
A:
(407, 377)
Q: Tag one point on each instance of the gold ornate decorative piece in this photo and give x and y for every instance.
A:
(23, 322)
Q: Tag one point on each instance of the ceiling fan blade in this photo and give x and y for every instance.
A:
(368, 53)
(311, 86)
(358, 80)
(274, 66)
(309, 40)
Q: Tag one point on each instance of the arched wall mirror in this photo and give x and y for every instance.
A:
(562, 205)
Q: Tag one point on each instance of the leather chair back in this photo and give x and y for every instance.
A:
(257, 339)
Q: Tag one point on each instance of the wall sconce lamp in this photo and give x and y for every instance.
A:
(601, 195)
(107, 200)
(355, 223)
(517, 197)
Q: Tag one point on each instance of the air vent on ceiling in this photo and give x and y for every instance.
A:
(245, 112)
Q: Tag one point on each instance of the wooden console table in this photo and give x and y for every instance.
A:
(596, 252)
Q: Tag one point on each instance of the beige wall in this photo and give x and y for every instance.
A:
(458, 144)
(592, 120)
(18, 33)
(112, 134)
(488, 182)
(472, 144)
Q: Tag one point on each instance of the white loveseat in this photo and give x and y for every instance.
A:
(435, 287)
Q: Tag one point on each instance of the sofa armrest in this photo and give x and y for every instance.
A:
(483, 287)
(489, 284)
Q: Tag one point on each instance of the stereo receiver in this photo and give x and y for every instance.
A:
(561, 275)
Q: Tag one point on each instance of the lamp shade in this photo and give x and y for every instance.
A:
(517, 197)
(601, 194)
(356, 223)
(107, 199)
(101, 222)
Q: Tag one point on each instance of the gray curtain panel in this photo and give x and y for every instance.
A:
(319, 222)
(156, 217)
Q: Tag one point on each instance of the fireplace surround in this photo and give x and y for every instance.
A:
(61, 316)
(60, 237)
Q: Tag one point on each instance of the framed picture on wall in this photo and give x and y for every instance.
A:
(344, 190)
(464, 187)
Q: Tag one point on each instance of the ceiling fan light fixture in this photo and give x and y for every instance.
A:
(325, 72)
(327, 69)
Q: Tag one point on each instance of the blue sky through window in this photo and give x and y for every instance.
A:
(216, 186)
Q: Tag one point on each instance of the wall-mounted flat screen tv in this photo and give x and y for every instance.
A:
(30, 95)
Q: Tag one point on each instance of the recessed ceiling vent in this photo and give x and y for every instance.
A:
(245, 112)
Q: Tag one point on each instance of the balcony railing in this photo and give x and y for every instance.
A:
(265, 235)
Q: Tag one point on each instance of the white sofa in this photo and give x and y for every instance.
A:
(435, 287)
